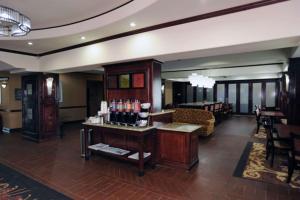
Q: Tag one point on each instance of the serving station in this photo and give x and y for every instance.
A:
(132, 144)
(131, 126)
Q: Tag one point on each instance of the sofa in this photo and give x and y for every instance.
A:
(196, 116)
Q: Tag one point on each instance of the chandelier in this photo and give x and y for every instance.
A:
(13, 23)
(201, 81)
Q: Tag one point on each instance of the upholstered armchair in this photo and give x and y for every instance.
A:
(196, 116)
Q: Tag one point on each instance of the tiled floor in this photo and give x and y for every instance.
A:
(57, 163)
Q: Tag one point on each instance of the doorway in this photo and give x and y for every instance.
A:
(95, 94)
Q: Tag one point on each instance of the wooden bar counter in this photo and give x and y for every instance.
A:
(133, 139)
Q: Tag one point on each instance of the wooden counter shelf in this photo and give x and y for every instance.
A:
(124, 157)
(133, 139)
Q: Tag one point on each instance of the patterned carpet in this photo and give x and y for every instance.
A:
(254, 166)
(261, 134)
(16, 186)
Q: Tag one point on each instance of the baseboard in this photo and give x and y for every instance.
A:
(10, 130)
(73, 122)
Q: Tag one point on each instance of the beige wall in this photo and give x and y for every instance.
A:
(168, 92)
(10, 108)
(74, 95)
(73, 107)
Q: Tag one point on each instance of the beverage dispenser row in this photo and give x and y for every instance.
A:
(128, 112)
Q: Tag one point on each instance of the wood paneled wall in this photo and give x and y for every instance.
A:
(152, 90)
(294, 91)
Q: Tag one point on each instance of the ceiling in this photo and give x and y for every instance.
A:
(46, 13)
(252, 65)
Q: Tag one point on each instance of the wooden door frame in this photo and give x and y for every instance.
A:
(87, 96)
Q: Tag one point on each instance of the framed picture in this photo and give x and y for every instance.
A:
(138, 80)
(18, 94)
(112, 82)
(124, 81)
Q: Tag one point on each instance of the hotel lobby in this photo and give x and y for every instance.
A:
(149, 99)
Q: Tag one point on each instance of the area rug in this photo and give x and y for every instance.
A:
(261, 133)
(16, 186)
(253, 166)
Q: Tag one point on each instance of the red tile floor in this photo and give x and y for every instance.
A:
(57, 163)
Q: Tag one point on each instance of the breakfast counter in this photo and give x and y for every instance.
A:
(130, 144)
(174, 144)
(120, 127)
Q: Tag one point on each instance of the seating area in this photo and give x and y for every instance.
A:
(220, 110)
(282, 140)
(196, 116)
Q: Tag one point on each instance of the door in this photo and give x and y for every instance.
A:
(232, 96)
(256, 95)
(95, 94)
(179, 93)
(244, 98)
(221, 93)
(30, 104)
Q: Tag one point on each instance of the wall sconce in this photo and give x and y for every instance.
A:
(3, 81)
(49, 84)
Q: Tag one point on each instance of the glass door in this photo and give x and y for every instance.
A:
(199, 94)
(232, 96)
(221, 92)
(270, 94)
(256, 95)
(244, 98)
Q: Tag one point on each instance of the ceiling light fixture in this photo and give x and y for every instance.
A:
(3, 81)
(82, 38)
(30, 43)
(132, 24)
(201, 81)
(13, 23)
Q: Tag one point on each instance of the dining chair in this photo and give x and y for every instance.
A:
(258, 118)
(274, 143)
(212, 108)
(206, 108)
(294, 155)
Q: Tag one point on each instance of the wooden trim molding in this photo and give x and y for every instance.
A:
(227, 67)
(10, 110)
(89, 18)
(71, 107)
(218, 13)
(17, 52)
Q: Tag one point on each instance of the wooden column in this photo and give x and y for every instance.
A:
(151, 92)
(40, 106)
(294, 91)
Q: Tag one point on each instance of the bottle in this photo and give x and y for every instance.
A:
(113, 105)
(120, 106)
(127, 106)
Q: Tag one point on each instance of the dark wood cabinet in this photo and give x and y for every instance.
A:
(178, 148)
(39, 106)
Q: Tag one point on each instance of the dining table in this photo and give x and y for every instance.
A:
(272, 115)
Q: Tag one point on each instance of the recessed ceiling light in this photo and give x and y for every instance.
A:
(30, 43)
(132, 24)
(82, 38)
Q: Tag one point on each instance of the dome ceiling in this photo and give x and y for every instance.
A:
(46, 14)
(145, 13)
